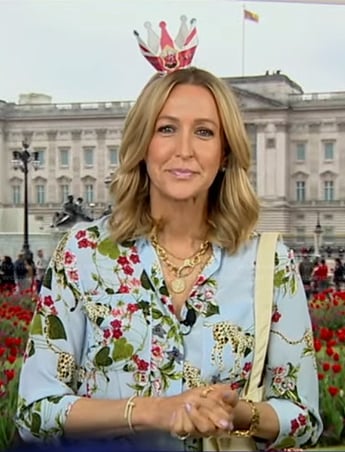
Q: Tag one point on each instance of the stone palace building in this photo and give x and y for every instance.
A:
(298, 150)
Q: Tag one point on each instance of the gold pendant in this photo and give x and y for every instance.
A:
(178, 285)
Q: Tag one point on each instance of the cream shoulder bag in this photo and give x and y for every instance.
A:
(264, 277)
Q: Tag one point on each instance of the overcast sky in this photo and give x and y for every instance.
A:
(84, 50)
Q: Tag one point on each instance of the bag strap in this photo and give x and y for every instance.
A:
(264, 285)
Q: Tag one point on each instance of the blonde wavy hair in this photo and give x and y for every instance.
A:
(233, 207)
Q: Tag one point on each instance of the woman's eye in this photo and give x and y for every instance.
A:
(205, 133)
(166, 129)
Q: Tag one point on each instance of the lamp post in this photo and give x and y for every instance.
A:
(317, 235)
(21, 161)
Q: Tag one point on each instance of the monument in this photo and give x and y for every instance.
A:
(72, 212)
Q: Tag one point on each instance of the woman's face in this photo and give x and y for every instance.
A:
(185, 152)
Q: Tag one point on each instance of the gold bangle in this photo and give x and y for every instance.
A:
(128, 412)
(254, 422)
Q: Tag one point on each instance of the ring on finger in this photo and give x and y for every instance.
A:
(181, 437)
(206, 391)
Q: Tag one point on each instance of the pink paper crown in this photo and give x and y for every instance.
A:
(164, 53)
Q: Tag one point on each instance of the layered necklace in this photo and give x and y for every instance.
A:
(181, 272)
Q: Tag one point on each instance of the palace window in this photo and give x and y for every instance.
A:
(40, 157)
(328, 190)
(88, 156)
(114, 155)
(64, 192)
(300, 191)
(64, 157)
(328, 147)
(16, 194)
(40, 194)
(89, 193)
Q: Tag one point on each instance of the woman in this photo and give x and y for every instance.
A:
(7, 279)
(338, 276)
(320, 275)
(140, 311)
(30, 275)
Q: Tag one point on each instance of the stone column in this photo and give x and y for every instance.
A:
(76, 159)
(313, 152)
(280, 167)
(260, 161)
(271, 161)
(102, 165)
(340, 149)
(52, 192)
(5, 167)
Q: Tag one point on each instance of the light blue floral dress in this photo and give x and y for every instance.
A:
(105, 328)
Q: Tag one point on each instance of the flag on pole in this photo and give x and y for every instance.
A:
(249, 15)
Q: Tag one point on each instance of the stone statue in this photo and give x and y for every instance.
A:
(72, 212)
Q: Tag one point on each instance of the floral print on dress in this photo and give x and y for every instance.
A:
(286, 274)
(105, 327)
(284, 382)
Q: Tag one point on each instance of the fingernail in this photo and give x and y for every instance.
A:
(188, 407)
(228, 396)
(231, 426)
(224, 424)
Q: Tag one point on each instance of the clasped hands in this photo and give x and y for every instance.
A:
(202, 412)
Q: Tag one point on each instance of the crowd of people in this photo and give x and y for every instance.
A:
(22, 274)
(26, 273)
(318, 275)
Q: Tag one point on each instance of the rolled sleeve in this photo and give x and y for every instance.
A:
(48, 383)
(45, 418)
(291, 381)
(286, 412)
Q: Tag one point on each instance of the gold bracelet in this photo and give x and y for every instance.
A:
(254, 422)
(128, 412)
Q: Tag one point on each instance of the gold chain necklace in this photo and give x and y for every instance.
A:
(178, 284)
(178, 257)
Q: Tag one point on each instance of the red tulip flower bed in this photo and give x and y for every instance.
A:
(15, 316)
(328, 316)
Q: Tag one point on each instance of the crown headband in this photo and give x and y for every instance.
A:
(165, 54)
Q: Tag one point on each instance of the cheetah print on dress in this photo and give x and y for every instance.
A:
(66, 368)
(191, 375)
(225, 333)
(96, 311)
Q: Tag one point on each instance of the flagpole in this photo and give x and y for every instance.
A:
(243, 40)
